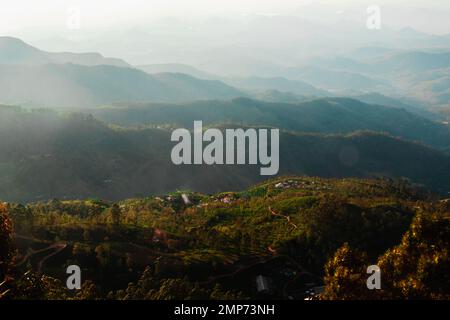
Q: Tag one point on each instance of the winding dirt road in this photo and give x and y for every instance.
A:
(283, 216)
(55, 247)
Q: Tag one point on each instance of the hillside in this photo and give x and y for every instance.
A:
(253, 153)
(278, 83)
(336, 80)
(46, 155)
(83, 86)
(410, 106)
(327, 115)
(177, 68)
(422, 75)
(29, 76)
(215, 246)
(14, 51)
(412, 62)
(387, 61)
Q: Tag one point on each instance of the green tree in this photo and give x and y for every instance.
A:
(115, 214)
(418, 268)
(5, 240)
(345, 277)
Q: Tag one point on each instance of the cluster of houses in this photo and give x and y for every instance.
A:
(302, 184)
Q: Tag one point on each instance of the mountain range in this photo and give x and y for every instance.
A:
(14, 51)
(29, 76)
(49, 155)
(324, 115)
(117, 143)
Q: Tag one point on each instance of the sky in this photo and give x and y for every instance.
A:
(33, 17)
(193, 31)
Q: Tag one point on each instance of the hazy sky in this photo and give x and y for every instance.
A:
(27, 15)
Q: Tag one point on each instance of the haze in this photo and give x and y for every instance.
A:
(192, 25)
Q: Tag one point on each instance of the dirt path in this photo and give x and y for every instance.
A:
(283, 216)
(56, 247)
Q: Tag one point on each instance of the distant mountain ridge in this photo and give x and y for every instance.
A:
(80, 86)
(46, 155)
(324, 115)
(31, 77)
(177, 68)
(14, 51)
(276, 83)
(413, 107)
(422, 75)
(413, 61)
(419, 74)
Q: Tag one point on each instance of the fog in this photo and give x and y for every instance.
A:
(23, 14)
(270, 31)
(293, 39)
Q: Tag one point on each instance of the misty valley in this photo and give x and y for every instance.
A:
(226, 159)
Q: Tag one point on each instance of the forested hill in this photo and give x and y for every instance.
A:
(83, 86)
(325, 115)
(297, 232)
(47, 155)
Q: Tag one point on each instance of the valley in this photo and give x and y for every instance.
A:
(49, 155)
(221, 242)
(257, 154)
